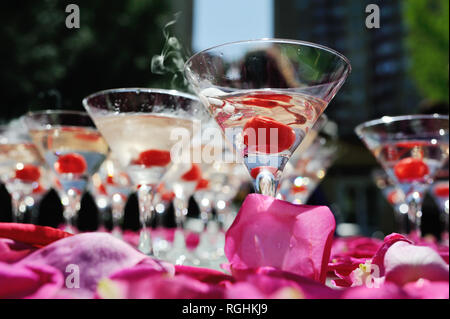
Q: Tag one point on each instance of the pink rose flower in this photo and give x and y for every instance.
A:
(271, 232)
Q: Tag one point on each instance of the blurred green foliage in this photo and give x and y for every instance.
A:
(46, 65)
(428, 44)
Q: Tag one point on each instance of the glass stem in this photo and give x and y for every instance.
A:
(117, 210)
(221, 215)
(415, 212)
(146, 209)
(401, 222)
(178, 252)
(71, 201)
(181, 210)
(19, 208)
(205, 213)
(266, 184)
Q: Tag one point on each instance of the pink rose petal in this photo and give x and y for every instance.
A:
(274, 283)
(425, 289)
(97, 255)
(29, 281)
(404, 263)
(271, 232)
(378, 258)
(385, 291)
(206, 275)
(12, 251)
(143, 282)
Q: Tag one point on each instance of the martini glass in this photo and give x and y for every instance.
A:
(219, 185)
(143, 128)
(183, 188)
(440, 193)
(72, 148)
(21, 170)
(266, 95)
(394, 196)
(303, 175)
(411, 149)
(113, 182)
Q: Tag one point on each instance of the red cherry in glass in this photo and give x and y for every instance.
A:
(410, 168)
(38, 189)
(28, 173)
(193, 174)
(70, 163)
(441, 191)
(110, 180)
(150, 158)
(392, 197)
(262, 124)
(168, 196)
(202, 184)
(102, 190)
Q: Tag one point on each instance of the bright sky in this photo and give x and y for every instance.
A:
(220, 21)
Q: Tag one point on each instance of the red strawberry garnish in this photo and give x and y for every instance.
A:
(28, 173)
(255, 171)
(193, 174)
(153, 158)
(410, 168)
(441, 191)
(263, 125)
(202, 184)
(70, 163)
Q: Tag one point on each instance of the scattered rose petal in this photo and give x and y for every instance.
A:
(271, 232)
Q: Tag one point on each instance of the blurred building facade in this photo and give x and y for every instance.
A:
(378, 85)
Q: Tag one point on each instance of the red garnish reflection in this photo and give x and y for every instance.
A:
(255, 171)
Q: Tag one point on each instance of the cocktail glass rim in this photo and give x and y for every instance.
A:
(273, 40)
(389, 119)
(135, 89)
